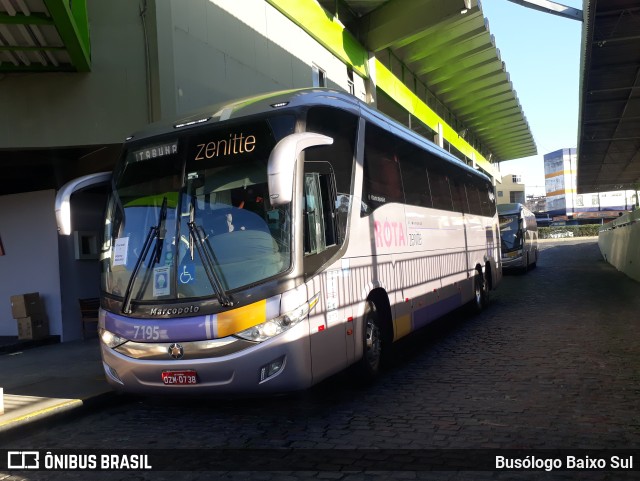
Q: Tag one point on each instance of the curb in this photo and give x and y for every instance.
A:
(33, 422)
(568, 239)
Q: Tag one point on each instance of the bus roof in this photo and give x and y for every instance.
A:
(273, 101)
(514, 208)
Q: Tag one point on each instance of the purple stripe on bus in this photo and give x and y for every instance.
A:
(160, 330)
(425, 315)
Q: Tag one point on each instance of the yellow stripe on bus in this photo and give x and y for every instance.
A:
(242, 318)
(403, 326)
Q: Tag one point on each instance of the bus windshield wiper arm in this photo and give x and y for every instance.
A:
(162, 230)
(126, 303)
(208, 262)
(155, 232)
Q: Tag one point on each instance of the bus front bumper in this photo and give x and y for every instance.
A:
(280, 364)
(513, 260)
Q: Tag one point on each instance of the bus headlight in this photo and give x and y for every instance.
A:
(110, 339)
(278, 325)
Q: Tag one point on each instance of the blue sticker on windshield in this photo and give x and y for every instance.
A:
(161, 286)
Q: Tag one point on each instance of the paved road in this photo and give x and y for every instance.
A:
(553, 363)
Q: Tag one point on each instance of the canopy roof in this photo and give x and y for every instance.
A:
(44, 36)
(609, 125)
(447, 45)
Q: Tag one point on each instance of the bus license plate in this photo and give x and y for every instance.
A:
(179, 378)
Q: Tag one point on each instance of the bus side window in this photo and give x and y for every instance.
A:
(320, 230)
(473, 196)
(414, 175)
(338, 158)
(487, 200)
(440, 191)
(458, 195)
(493, 208)
(382, 182)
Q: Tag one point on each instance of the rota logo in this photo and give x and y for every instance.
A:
(389, 234)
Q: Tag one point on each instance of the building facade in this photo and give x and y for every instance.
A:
(510, 190)
(157, 59)
(560, 168)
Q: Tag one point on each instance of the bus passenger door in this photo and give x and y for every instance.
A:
(327, 328)
(328, 337)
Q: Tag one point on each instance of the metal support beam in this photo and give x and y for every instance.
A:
(21, 19)
(72, 23)
(553, 8)
(36, 68)
(399, 22)
(12, 48)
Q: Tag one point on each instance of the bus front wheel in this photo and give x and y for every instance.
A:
(371, 343)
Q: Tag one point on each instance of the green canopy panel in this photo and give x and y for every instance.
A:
(446, 45)
(44, 36)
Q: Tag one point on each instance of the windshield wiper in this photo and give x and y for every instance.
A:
(209, 261)
(155, 232)
(162, 230)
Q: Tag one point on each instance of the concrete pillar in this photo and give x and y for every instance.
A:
(370, 83)
(440, 136)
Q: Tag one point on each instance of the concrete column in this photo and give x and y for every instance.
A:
(371, 83)
(440, 136)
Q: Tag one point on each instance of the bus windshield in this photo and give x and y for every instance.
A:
(510, 232)
(190, 216)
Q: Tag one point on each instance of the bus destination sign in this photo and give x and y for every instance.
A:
(156, 151)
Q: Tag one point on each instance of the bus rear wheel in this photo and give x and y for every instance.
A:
(480, 292)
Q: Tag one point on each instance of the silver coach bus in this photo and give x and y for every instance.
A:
(519, 237)
(263, 245)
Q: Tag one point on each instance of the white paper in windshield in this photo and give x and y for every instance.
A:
(120, 250)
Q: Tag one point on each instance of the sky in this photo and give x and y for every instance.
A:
(542, 55)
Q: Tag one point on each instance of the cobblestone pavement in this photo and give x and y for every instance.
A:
(553, 363)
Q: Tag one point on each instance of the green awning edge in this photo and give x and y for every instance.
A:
(72, 23)
(330, 33)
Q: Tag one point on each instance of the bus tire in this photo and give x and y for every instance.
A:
(369, 364)
(486, 286)
(479, 293)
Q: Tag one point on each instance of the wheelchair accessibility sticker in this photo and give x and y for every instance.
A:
(187, 274)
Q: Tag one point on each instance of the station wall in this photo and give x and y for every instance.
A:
(619, 240)
(213, 51)
(30, 263)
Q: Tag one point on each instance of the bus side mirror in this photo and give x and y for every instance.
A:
(282, 162)
(63, 206)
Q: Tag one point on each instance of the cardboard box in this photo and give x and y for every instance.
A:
(32, 328)
(26, 305)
